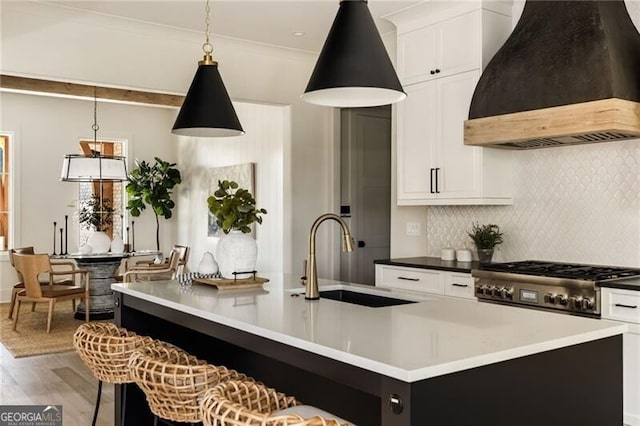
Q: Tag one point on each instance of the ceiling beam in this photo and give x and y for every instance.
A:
(10, 82)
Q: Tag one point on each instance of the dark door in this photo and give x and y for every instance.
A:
(365, 189)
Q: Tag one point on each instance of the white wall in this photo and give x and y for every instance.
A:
(51, 42)
(48, 128)
(266, 140)
(45, 129)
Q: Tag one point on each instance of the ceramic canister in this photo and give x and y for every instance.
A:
(464, 255)
(447, 253)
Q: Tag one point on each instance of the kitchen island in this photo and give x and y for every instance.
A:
(440, 361)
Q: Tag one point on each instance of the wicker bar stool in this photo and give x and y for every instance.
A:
(105, 349)
(243, 403)
(173, 380)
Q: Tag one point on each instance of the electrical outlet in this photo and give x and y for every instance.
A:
(413, 229)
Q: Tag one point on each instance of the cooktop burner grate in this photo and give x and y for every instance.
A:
(563, 270)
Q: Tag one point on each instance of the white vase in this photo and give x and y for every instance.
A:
(236, 252)
(208, 264)
(117, 245)
(99, 242)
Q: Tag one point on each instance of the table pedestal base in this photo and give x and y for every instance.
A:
(101, 302)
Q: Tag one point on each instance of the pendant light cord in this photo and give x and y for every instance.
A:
(207, 23)
(207, 47)
(98, 154)
(95, 126)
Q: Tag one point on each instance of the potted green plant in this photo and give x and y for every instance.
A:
(485, 238)
(235, 210)
(151, 185)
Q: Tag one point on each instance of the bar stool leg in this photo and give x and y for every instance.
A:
(95, 413)
(124, 404)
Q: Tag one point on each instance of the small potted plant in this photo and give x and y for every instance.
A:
(235, 210)
(485, 238)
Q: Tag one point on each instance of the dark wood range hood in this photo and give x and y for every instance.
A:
(568, 74)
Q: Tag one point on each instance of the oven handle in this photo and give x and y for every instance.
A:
(620, 305)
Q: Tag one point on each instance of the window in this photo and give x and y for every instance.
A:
(111, 193)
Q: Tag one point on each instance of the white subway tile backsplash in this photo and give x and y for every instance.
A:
(572, 204)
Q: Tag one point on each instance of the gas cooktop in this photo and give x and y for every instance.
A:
(594, 273)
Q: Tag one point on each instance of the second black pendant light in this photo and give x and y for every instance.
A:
(353, 69)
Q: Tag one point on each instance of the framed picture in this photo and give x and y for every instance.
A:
(243, 174)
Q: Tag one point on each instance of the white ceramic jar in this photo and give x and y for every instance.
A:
(99, 242)
(464, 255)
(236, 252)
(117, 245)
(447, 253)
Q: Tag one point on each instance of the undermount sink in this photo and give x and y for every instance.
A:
(362, 299)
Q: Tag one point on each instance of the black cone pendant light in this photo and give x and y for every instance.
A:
(354, 69)
(207, 110)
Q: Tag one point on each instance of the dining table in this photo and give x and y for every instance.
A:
(102, 268)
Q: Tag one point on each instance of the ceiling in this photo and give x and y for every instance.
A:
(272, 22)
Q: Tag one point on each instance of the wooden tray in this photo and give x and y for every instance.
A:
(231, 284)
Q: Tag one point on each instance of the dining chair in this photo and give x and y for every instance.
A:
(31, 266)
(43, 281)
(178, 257)
(166, 270)
(183, 258)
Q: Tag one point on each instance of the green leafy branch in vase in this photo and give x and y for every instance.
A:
(234, 208)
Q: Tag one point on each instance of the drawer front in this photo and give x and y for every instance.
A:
(621, 305)
(459, 285)
(423, 280)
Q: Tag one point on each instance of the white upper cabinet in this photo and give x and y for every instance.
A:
(417, 52)
(441, 49)
(440, 61)
(458, 174)
(417, 121)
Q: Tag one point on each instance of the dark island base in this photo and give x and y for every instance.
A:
(577, 385)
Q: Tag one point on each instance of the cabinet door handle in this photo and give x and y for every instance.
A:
(408, 279)
(437, 71)
(620, 305)
(459, 285)
(437, 189)
(431, 180)
(432, 72)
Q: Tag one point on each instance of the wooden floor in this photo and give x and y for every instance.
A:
(56, 379)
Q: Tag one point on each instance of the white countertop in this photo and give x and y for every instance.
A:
(438, 335)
